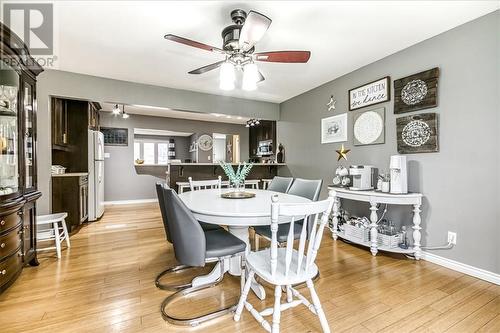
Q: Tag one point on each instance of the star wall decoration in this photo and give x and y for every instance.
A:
(331, 104)
(342, 153)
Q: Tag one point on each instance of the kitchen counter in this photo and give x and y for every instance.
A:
(217, 164)
(180, 172)
(72, 174)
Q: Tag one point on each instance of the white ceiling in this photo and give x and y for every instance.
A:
(124, 39)
(170, 113)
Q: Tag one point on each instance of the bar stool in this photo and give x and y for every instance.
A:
(56, 231)
(253, 183)
(265, 183)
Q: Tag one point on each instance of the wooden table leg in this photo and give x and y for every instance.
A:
(373, 228)
(416, 231)
(335, 220)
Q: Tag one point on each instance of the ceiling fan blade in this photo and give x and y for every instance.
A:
(283, 56)
(193, 43)
(206, 68)
(253, 30)
(261, 77)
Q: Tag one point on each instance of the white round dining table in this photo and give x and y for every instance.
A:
(237, 215)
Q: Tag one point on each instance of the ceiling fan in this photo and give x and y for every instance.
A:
(238, 47)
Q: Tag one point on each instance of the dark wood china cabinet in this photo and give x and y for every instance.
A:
(18, 179)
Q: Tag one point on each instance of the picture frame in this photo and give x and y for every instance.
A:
(416, 92)
(368, 127)
(334, 129)
(114, 136)
(371, 93)
(418, 133)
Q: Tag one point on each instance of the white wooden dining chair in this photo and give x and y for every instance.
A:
(204, 184)
(288, 266)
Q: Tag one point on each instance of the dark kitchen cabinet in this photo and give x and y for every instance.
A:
(60, 135)
(266, 130)
(93, 116)
(18, 182)
(70, 195)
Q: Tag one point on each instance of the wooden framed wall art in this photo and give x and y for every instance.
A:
(115, 136)
(369, 127)
(371, 93)
(417, 133)
(334, 129)
(416, 92)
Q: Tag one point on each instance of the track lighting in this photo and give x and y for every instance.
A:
(116, 110)
(252, 122)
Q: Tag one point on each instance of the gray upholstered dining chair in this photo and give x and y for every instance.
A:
(195, 247)
(306, 188)
(177, 268)
(280, 184)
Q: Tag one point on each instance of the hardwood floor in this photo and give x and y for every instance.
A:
(105, 283)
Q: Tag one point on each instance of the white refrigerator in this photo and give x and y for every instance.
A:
(96, 175)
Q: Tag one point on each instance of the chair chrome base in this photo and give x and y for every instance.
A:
(194, 321)
(171, 287)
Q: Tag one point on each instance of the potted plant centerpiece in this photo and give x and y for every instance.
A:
(237, 179)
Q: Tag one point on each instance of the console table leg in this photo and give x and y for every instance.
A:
(373, 226)
(416, 231)
(335, 220)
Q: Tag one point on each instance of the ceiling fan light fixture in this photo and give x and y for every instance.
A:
(227, 76)
(250, 77)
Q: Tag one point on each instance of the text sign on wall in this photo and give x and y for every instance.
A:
(369, 94)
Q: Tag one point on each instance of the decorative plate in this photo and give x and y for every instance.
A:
(205, 142)
(414, 92)
(237, 195)
(368, 127)
(416, 133)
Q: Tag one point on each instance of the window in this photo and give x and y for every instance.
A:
(137, 151)
(149, 153)
(152, 151)
(163, 153)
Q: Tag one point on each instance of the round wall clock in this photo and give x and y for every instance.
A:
(205, 142)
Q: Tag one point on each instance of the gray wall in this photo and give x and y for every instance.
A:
(123, 180)
(461, 182)
(73, 85)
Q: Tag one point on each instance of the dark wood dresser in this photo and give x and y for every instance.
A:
(18, 181)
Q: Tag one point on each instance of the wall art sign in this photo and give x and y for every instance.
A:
(369, 127)
(369, 94)
(418, 133)
(334, 129)
(416, 92)
(115, 136)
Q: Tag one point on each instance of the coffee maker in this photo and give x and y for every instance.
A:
(362, 177)
(399, 174)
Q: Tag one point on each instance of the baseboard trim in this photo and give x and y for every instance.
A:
(129, 202)
(462, 268)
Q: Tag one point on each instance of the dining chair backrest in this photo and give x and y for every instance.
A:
(280, 184)
(161, 202)
(204, 184)
(306, 188)
(187, 235)
(313, 212)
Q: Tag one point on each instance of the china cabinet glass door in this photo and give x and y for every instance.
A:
(9, 170)
(29, 135)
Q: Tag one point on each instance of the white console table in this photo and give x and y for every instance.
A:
(374, 198)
